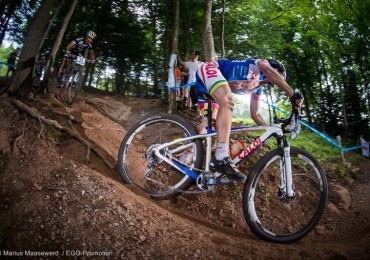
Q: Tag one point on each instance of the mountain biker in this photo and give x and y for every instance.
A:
(219, 78)
(76, 47)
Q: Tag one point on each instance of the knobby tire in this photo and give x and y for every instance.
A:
(73, 84)
(279, 220)
(163, 181)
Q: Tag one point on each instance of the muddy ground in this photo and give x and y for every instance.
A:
(57, 199)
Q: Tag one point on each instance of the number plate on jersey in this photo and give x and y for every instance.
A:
(80, 60)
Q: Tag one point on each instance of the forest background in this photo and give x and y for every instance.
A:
(325, 46)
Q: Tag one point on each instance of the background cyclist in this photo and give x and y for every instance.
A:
(219, 78)
(76, 47)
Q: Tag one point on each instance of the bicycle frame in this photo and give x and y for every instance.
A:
(74, 62)
(163, 152)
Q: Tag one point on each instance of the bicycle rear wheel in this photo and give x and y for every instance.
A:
(73, 84)
(274, 217)
(138, 165)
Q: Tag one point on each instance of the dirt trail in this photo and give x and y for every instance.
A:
(52, 200)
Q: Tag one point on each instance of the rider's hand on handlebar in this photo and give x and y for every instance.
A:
(67, 54)
(291, 124)
(297, 101)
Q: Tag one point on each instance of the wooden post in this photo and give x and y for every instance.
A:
(340, 144)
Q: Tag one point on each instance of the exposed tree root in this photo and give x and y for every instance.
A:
(68, 116)
(19, 137)
(61, 128)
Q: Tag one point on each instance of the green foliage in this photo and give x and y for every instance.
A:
(320, 148)
(4, 54)
(325, 46)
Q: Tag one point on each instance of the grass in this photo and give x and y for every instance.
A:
(316, 145)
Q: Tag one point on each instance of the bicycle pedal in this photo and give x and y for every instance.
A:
(226, 181)
(219, 179)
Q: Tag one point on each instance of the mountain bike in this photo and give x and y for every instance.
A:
(71, 78)
(286, 190)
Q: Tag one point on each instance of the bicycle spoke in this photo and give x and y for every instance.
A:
(277, 217)
(73, 85)
(143, 168)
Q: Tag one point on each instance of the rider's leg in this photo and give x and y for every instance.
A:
(210, 77)
(194, 97)
(255, 109)
(225, 101)
(222, 162)
(186, 96)
(61, 68)
(202, 127)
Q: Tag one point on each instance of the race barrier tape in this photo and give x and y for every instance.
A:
(181, 86)
(7, 64)
(325, 137)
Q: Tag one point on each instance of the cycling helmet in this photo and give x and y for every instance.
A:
(91, 34)
(279, 66)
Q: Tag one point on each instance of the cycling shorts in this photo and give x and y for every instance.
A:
(203, 104)
(209, 78)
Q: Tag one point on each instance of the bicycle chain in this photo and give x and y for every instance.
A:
(181, 190)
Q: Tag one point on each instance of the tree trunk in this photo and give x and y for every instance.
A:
(46, 32)
(119, 81)
(208, 41)
(58, 40)
(322, 95)
(55, 14)
(174, 47)
(22, 79)
(223, 29)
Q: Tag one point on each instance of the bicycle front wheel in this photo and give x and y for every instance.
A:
(73, 84)
(139, 165)
(270, 214)
(61, 90)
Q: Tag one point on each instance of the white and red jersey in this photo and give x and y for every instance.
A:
(211, 75)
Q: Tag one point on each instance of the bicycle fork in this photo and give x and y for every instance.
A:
(286, 186)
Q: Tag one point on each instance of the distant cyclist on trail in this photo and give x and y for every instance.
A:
(76, 47)
(220, 78)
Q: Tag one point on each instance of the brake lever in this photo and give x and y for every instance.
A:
(285, 122)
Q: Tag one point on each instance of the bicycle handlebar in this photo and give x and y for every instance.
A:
(73, 56)
(292, 124)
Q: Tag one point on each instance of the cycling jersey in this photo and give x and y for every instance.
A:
(79, 46)
(211, 75)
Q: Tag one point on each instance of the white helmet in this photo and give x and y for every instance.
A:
(91, 34)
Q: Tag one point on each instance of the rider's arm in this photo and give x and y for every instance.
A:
(69, 46)
(275, 78)
(255, 109)
(249, 85)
